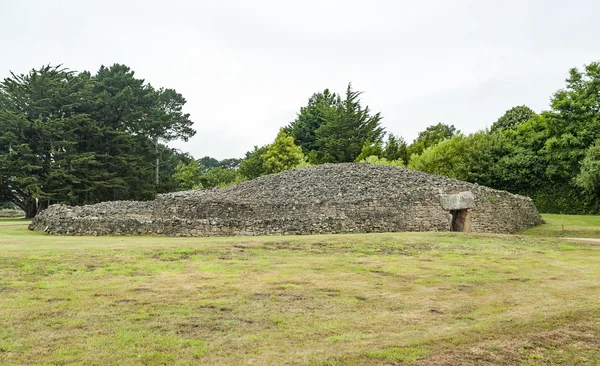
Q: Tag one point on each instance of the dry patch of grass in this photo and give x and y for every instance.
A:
(373, 299)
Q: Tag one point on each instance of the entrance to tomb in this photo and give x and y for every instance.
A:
(461, 221)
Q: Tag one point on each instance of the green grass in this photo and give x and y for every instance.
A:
(370, 299)
(572, 226)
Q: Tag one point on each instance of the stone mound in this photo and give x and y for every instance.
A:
(12, 213)
(330, 198)
(350, 182)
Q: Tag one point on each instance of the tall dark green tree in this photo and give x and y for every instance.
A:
(78, 138)
(396, 149)
(129, 104)
(166, 122)
(42, 116)
(341, 138)
(321, 107)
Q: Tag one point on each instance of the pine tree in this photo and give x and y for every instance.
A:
(347, 127)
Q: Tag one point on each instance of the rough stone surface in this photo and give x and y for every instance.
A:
(12, 213)
(330, 198)
(457, 201)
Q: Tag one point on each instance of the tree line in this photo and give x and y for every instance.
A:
(552, 157)
(78, 138)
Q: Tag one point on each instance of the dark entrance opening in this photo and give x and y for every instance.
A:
(461, 221)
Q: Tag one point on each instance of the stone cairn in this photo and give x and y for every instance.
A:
(329, 198)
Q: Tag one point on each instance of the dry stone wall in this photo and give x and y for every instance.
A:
(12, 213)
(330, 198)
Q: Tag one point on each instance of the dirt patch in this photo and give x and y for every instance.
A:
(124, 302)
(261, 296)
(174, 255)
(587, 240)
(142, 289)
(55, 300)
(331, 292)
(573, 345)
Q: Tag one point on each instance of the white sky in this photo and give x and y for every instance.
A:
(246, 67)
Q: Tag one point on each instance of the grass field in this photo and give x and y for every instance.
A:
(572, 226)
(372, 299)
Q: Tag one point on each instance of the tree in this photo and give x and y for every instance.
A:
(170, 158)
(167, 122)
(253, 165)
(382, 161)
(370, 149)
(431, 136)
(347, 127)
(77, 138)
(208, 163)
(283, 154)
(589, 175)
(395, 149)
(188, 175)
(129, 104)
(444, 158)
(42, 119)
(513, 118)
(219, 177)
(321, 106)
(574, 122)
(472, 158)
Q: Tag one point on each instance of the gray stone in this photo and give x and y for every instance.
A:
(329, 198)
(457, 201)
(12, 213)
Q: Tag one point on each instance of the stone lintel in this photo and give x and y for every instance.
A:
(458, 201)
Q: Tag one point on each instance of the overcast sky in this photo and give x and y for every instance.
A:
(246, 67)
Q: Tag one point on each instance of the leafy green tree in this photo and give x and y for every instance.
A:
(444, 158)
(191, 175)
(219, 176)
(253, 165)
(521, 167)
(574, 122)
(382, 161)
(283, 154)
(230, 163)
(589, 175)
(431, 136)
(513, 118)
(208, 162)
(473, 158)
(370, 149)
(188, 175)
(347, 127)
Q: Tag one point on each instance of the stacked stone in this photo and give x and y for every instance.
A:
(330, 198)
(12, 213)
